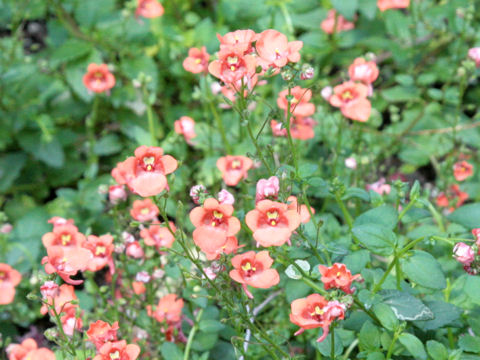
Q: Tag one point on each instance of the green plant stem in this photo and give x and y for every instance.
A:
(378, 285)
(286, 15)
(221, 128)
(332, 342)
(350, 349)
(392, 345)
(404, 211)
(151, 120)
(346, 214)
(90, 123)
(192, 335)
(257, 147)
(291, 145)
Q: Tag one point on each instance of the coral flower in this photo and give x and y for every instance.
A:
(392, 4)
(351, 98)
(185, 126)
(234, 168)
(231, 246)
(66, 262)
(65, 295)
(63, 235)
(267, 188)
(272, 223)
(474, 54)
(69, 319)
(101, 249)
(254, 269)
(331, 25)
(101, 332)
(149, 9)
(214, 223)
(168, 309)
(338, 276)
(232, 65)
(134, 250)
(98, 78)
(244, 38)
(453, 195)
(364, 71)
(144, 210)
(9, 278)
(197, 60)
(380, 187)
(462, 170)
(158, 236)
(118, 350)
(274, 49)
(300, 128)
(145, 172)
(302, 210)
(28, 350)
(476, 234)
(310, 313)
(299, 105)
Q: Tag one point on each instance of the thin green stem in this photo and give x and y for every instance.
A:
(350, 349)
(332, 342)
(378, 285)
(259, 150)
(221, 128)
(192, 335)
(392, 345)
(150, 117)
(346, 214)
(291, 145)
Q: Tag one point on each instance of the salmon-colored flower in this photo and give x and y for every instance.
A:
(185, 126)
(168, 309)
(474, 54)
(138, 287)
(232, 65)
(254, 269)
(49, 289)
(134, 250)
(301, 128)
(101, 249)
(462, 170)
(145, 172)
(302, 210)
(364, 71)
(66, 262)
(158, 236)
(242, 38)
(452, 198)
(476, 234)
(197, 60)
(214, 223)
(309, 313)
(118, 350)
(351, 98)
(101, 332)
(234, 168)
(149, 9)
(28, 350)
(98, 78)
(380, 187)
(392, 4)
(274, 49)
(144, 210)
(231, 246)
(9, 279)
(299, 105)
(69, 319)
(338, 276)
(267, 188)
(65, 295)
(66, 235)
(272, 223)
(338, 24)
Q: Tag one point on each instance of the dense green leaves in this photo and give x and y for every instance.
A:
(406, 306)
(413, 345)
(423, 269)
(376, 238)
(467, 215)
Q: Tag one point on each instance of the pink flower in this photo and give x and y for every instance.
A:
(274, 49)
(336, 23)
(195, 192)
(463, 253)
(49, 289)
(364, 71)
(197, 60)
(335, 309)
(476, 234)
(116, 194)
(351, 163)
(225, 197)
(134, 250)
(143, 277)
(380, 187)
(267, 188)
(327, 92)
(186, 126)
(474, 54)
(6, 228)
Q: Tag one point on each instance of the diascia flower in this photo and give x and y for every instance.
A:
(267, 188)
(392, 4)
(168, 309)
(116, 194)
(28, 350)
(331, 25)
(185, 126)
(274, 49)
(144, 210)
(351, 98)
(65, 295)
(364, 71)
(158, 236)
(232, 64)
(9, 279)
(66, 262)
(338, 276)
(234, 168)
(225, 197)
(474, 54)
(118, 350)
(272, 223)
(462, 170)
(69, 319)
(244, 38)
(302, 210)
(66, 235)
(149, 9)
(300, 128)
(214, 223)
(310, 313)
(101, 248)
(145, 172)
(98, 78)
(231, 246)
(299, 105)
(453, 196)
(254, 269)
(197, 60)
(101, 332)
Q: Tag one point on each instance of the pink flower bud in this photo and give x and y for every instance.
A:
(474, 54)
(195, 192)
(158, 274)
(119, 248)
(463, 253)
(127, 237)
(116, 194)
(335, 309)
(267, 188)
(307, 72)
(351, 163)
(143, 276)
(216, 88)
(49, 289)
(225, 197)
(380, 187)
(6, 228)
(327, 92)
(134, 250)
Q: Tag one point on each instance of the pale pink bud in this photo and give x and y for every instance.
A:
(195, 192)
(225, 197)
(474, 54)
(6, 228)
(127, 237)
(351, 163)
(134, 250)
(143, 276)
(119, 248)
(49, 289)
(307, 72)
(267, 188)
(463, 253)
(158, 274)
(327, 92)
(380, 187)
(116, 194)
(334, 309)
(213, 270)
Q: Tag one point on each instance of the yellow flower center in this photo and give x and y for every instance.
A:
(144, 211)
(198, 61)
(100, 250)
(248, 267)
(347, 95)
(318, 311)
(217, 216)
(115, 355)
(272, 217)
(149, 162)
(66, 239)
(338, 274)
(236, 164)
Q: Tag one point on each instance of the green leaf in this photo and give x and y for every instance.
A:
(400, 94)
(369, 337)
(413, 345)
(369, 9)
(325, 346)
(406, 306)
(466, 215)
(444, 314)
(386, 316)
(472, 288)
(10, 167)
(470, 343)
(354, 192)
(346, 8)
(397, 24)
(70, 50)
(423, 269)
(384, 215)
(295, 289)
(211, 326)
(378, 239)
(437, 350)
(171, 351)
(107, 145)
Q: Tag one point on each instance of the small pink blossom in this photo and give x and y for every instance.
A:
(351, 163)
(474, 54)
(158, 274)
(127, 237)
(143, 277)
(327, 92)
(6, 228)
(267, 188)
(380, 187)
(225, 197)
(49, 289)
(134, 250)
(195, 192)
(216, 87)
(463, 253)
(335, 309)
(213, 270)
(307, 72)
(116, 194)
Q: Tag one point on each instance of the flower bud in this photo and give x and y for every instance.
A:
(196, 192)
(6, 228)
(327, 92)
(143, 276)
(307, 72)
(134, 250)
(351, 163)
(116, 194)
(49, 289)
(267, 188)
(225, 197)
(463, 253)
